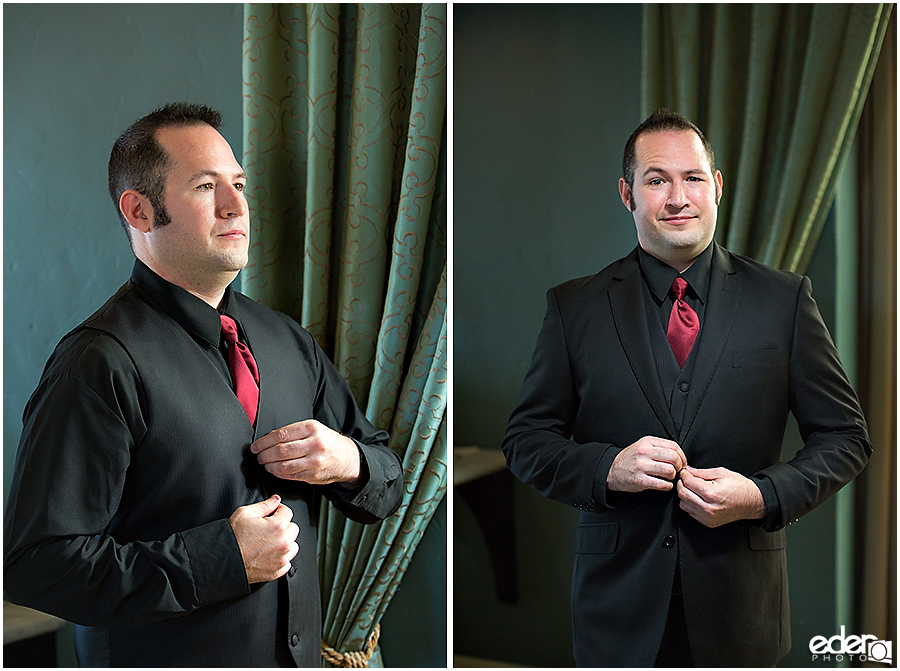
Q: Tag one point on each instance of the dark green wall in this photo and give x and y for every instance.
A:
(75, 76)
(544, 98)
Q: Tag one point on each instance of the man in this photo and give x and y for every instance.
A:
(656, 403)
(173, 455)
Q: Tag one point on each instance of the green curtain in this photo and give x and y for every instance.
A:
(778, 90)
(875, 565)
(344, 120)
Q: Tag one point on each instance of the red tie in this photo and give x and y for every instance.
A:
(683, 323)
(243, 369)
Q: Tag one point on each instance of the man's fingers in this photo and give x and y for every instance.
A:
(264, 508)
(283, 515)
(698, 486)
(286, 434)
(283, 451)
(685, 493)
(708, 473)
(668, 451)
(658, 484)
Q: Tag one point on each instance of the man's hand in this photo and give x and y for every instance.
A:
(649, 463)
(717, 496)
(267, 538)
(310, 452)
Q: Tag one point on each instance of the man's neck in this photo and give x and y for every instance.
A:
(677, 263)
(211, 289)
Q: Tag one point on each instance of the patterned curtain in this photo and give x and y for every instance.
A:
(343, 125)
(778, 90)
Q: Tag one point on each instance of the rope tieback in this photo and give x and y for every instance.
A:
(354, 659)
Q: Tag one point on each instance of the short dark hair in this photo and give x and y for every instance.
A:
(138, 161)
(662, 120)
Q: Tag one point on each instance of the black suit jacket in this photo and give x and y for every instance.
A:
(134, 453)
(593, 388)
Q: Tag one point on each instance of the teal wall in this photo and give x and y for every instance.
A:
(75, 76)
(544, 98)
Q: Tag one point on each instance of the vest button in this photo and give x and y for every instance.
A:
(294, 640)
(669, 541)
(685, 387)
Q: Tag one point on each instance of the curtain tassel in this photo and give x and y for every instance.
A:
(353, 659)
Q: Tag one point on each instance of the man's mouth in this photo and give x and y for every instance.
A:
(679, 220)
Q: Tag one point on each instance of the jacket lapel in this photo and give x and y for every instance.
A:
(626, 299)
(722, 303)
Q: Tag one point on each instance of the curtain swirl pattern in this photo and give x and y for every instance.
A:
(778, 90)
(344, 110)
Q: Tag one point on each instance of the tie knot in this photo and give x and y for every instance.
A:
(679, 288)
(229, 329)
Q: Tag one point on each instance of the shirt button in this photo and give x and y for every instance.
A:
(669, 541)
(294, 640)
(685, 387)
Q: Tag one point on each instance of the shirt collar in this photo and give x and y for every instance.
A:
(192, 313)
(660, 275)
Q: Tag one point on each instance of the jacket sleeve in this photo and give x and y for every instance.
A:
(835, 438)
(59, 557)
(381, 493)
(538, 443)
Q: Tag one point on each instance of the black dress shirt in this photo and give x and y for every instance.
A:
(659, 277)
(134, 453)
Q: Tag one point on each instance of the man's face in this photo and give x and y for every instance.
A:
(208, 229)
(675, 196)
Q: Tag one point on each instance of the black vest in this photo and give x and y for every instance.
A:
(194, 466)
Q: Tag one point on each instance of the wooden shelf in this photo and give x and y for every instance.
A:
(471, 463)
(481, 478)
(20, 623)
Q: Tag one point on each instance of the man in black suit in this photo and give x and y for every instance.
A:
(173, 456)
(656, 403)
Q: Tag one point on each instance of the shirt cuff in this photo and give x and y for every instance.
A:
(362, 480)
(379, 496)
(772, 519)
(601, 496)
(217, 566)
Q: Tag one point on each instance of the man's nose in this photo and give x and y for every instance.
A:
(677, 199)
(232, 203)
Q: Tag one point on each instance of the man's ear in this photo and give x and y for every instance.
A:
(137, 210)
(625, 194)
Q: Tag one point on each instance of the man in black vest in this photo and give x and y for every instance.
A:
(168, 477)
(656, 403)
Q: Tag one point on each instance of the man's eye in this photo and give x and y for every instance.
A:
(205, 187)
(239, 186)
(656, 181)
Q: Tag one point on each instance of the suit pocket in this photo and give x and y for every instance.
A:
(764, 540)
(755, 357)
(596, 539)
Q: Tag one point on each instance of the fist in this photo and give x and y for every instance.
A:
(649, 463)
(717, 496)
(267, 538)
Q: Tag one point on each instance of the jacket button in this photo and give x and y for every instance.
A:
(292, 572)
(669, 541)
(294, 640)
